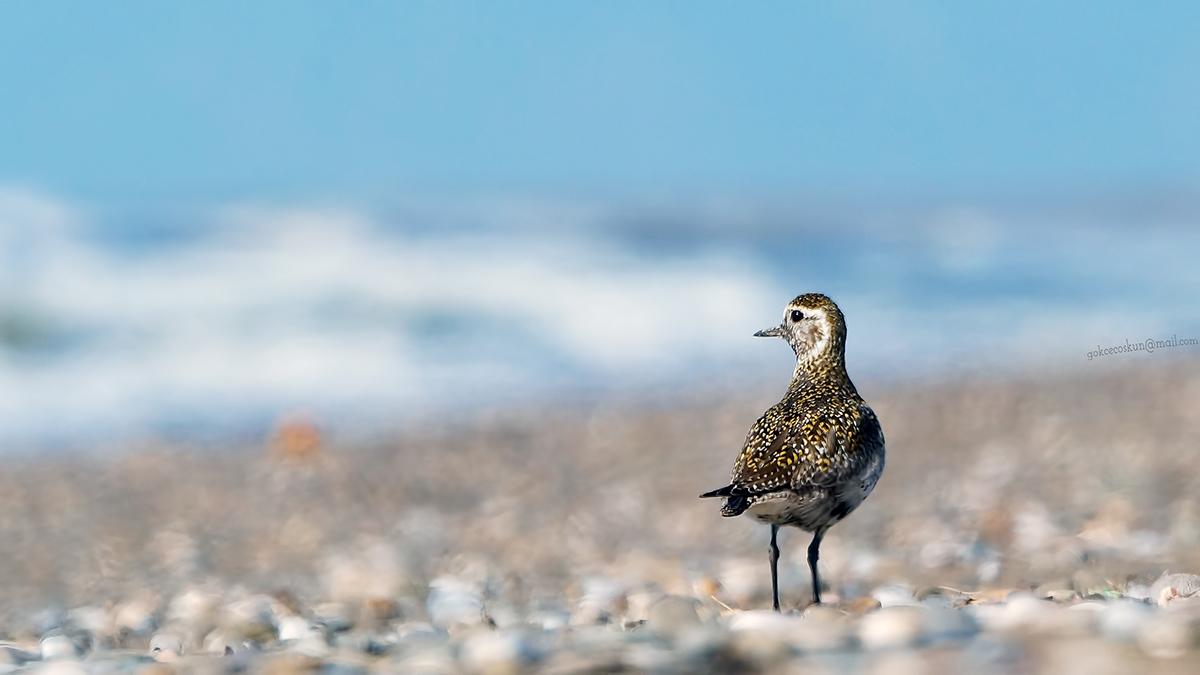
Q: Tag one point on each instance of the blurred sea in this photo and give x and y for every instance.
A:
(193, 322)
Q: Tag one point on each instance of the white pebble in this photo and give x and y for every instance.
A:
(58, 648)
(895, 595)
(293, 628)
(1021, 611)
(497, 653)
(165, 647)
(764, 621)
(892, 627)
(454, 603)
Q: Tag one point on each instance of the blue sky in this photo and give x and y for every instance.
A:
(128, 101)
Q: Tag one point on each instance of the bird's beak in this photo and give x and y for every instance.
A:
(777, 331)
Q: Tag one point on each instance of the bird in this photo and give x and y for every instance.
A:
(815, 456)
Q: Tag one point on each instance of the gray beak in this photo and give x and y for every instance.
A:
(777, 331)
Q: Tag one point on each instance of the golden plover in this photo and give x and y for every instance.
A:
(815, 456)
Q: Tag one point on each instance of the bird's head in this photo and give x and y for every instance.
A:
(815, 328)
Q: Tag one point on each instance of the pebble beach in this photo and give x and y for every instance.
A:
(1044, 523)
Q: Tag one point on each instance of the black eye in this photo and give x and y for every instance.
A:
(797, 315)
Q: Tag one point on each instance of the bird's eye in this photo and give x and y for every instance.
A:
(797, 315)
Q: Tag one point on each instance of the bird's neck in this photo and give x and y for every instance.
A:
(825, 369)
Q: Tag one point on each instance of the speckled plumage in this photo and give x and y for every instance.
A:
(813, 457)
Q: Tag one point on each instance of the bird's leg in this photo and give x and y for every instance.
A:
(775, 567)
(813, 551)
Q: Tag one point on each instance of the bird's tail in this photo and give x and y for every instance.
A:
(719, 492)
(737, 500)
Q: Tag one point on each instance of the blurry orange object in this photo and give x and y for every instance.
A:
(296, 439)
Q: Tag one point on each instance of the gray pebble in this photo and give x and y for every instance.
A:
(165, 647)
(1167, 636)
(1172, 586)
(1058, 591)
(672, 614)
(950, 625)
(702, 644)
(1123, 619)
(651, 658)
(762, 651)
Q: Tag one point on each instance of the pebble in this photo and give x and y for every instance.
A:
(334, 616)
(763, 638)
(703, 643)
(1173, 586)
(455, 604)
(194, 608)
(1066, 623)
(742, 580)
(58, 668)
(428, 661)
(572, 663)
(603, 600)
(293, 628)
(1059, 591)
(599, 640)
(549, 619)
(225, 640)
(949, 625)
(365, 642)
(863, 605)
(165, 647)
(136, 616)
(764, 621)
(57, 647)
(302, 637)
(1021, 612)
(935, 600)
(672, 615)
(892, 628)
(11, 654)
(95, 620)
(762, 651)
(644, 658)
(1137, 591)
(824, 629)
(1122, 619)
(895, 595)
(487, 652)
(1167, 636)
(256, 609)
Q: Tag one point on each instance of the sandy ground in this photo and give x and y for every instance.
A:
(1022, 525)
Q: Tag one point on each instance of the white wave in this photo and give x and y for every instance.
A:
(285, 307)
(350, 314)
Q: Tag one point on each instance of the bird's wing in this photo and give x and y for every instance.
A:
(817, 450)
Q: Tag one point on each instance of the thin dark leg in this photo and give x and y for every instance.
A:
(813, 551)
(775, 567)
